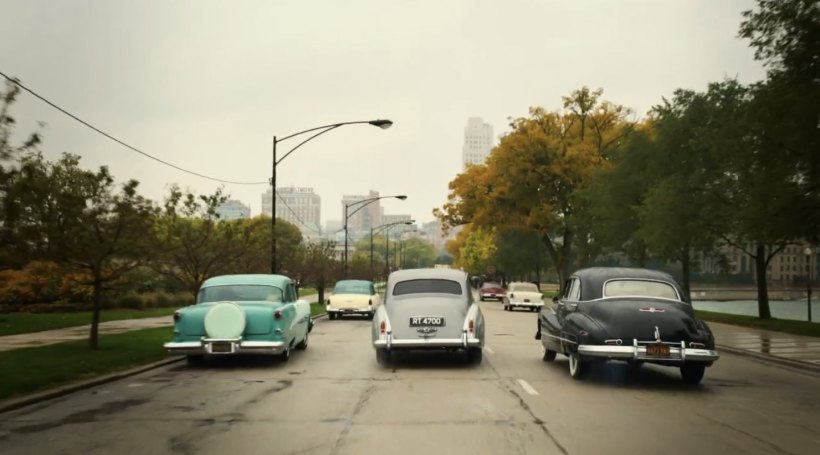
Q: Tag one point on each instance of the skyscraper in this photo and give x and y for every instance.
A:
(478, 142)
(300, 206)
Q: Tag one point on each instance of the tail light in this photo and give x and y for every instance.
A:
(471, 326)
(370, 302)
(177, 316)
(277, 315)
(695, 344)
(382, 327)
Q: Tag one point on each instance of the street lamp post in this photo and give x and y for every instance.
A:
(364, 203)
(387, 242)
(809, 277)
(374, 231)
(383, 124)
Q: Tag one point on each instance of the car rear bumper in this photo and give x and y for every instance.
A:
(365, 310)
(388, 342)
(208, 346)
(677, 353)
(525, 304)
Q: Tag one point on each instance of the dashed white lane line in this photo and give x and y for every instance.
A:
(527, 387)
(489, 351)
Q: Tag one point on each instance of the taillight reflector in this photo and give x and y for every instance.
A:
(177, 316)
(471, 326)
(381, 327)
(277, 315)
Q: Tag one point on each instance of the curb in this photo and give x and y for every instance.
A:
(781, 361)
(18, 403)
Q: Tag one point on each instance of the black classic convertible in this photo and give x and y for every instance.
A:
(628, 314)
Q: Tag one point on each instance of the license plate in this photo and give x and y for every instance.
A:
(657, 350)
(426, 321)
(526, 300)
(222, 347)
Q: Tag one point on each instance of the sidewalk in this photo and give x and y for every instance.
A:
(793, 350)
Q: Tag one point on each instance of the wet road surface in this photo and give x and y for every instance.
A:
(334, 398)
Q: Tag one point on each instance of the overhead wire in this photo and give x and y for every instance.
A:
(124, 144)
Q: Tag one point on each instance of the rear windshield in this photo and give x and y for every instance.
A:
(239, 293)
(524, 287)
(490, 285)
(349, 287)
(427, 286)
(640, 288)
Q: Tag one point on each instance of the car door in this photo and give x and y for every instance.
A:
(566, 306)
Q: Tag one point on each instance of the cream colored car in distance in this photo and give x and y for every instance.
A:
(353, 297)
(523, 295)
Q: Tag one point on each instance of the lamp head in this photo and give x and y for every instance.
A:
(401, 196)
(381, 123)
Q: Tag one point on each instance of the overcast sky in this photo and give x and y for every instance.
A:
(206, 84)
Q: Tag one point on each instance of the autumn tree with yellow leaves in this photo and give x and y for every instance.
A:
(532, 178)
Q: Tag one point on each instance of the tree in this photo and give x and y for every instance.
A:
(319, 265)
(533, 177)
(76, 217)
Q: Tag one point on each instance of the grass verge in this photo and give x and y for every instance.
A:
(13, 323)
(29, 370)
(777, 325)
(317, 308)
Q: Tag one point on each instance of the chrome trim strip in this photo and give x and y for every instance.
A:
(203, 347)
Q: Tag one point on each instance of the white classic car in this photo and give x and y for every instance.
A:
(428, 309)
(523, 295)
(353, 297)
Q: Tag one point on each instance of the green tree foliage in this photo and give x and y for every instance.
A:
(319, 266)
(77, 217)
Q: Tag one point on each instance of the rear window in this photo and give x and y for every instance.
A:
(239, 293)
(640, 288)
(424, 286)
(490, 285)
(348, 287)
(524, 287)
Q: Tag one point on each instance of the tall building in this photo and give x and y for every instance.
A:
(478, 142)
(233, 210)
(398, 229)
(361, 217)
(300, 206)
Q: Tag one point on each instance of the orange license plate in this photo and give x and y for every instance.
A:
(657, 350)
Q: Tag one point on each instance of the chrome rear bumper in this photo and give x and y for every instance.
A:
(388, 342)
(211, 346)
(678, 353)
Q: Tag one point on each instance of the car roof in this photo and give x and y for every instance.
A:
(593, 278)
(279, 281)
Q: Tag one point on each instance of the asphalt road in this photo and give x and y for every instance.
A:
(333, 398)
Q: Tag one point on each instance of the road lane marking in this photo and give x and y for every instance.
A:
(527, 387)
(489, 351)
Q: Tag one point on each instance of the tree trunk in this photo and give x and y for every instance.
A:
(94, 335)
(320, 290)
(760, 276)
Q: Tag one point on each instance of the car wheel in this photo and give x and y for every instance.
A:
(578, 368)
(303, 344)
(285, 355)
(547, 355)
(692, 373)
(195, 359)
(382, 356)
(474, 355)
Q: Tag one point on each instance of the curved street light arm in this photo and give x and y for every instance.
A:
(331, 128)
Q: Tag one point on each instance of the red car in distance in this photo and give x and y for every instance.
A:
(491, 290)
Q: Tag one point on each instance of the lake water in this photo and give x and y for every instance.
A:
(795, 310)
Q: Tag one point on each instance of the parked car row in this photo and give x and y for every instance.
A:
(603, 314)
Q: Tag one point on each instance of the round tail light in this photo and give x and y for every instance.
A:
(177, 316)
(277, 315)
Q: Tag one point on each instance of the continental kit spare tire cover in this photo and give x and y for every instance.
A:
(225, 320)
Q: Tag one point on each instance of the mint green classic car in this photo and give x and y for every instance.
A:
(242, 314)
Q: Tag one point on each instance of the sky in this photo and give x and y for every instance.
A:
(205, 85)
